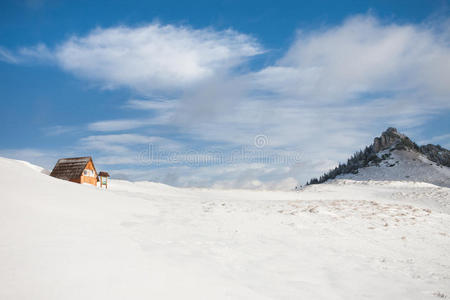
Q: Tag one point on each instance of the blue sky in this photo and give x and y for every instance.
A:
(219, 93)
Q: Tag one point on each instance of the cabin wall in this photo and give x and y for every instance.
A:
(85, 179)
(88, 179)
(90, 166)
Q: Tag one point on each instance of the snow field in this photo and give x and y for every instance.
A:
(341, 240)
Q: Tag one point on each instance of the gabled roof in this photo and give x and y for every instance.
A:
(69, 168)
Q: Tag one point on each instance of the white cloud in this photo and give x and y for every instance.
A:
(117, 125)
(128, 124)
(154, 57)
(360, 75)
(362, 56)
(151, 104)
(121, 143)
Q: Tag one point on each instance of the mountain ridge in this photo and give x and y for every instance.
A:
(381, 152)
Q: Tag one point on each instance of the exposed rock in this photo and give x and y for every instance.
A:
(386, 140)
(391, 138)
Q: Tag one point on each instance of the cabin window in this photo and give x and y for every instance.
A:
(89, 173)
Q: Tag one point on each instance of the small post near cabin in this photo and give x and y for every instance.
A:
(103, 178)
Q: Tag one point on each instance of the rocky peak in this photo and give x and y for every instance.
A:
(392, 139)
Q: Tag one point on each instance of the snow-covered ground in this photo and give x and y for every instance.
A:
(341, 240)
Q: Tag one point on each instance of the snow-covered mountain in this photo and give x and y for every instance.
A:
(393, 156)
(142, 240)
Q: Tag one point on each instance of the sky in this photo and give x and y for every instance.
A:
(225, 94)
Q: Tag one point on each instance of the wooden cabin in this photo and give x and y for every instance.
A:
(76, 169)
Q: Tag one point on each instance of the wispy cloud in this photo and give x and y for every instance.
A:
(59, 130)
(117, 125)
(121, 142)
(151, 104)
(38, 53)
(7, 56)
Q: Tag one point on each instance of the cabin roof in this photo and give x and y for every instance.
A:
(72, 167)
(103, 174)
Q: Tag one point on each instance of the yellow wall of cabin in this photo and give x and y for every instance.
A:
(87, 179)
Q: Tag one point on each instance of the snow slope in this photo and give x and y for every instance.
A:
(342, 240)
(405, 166)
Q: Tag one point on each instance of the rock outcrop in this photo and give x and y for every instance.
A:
(437, 154)
(391, 138)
